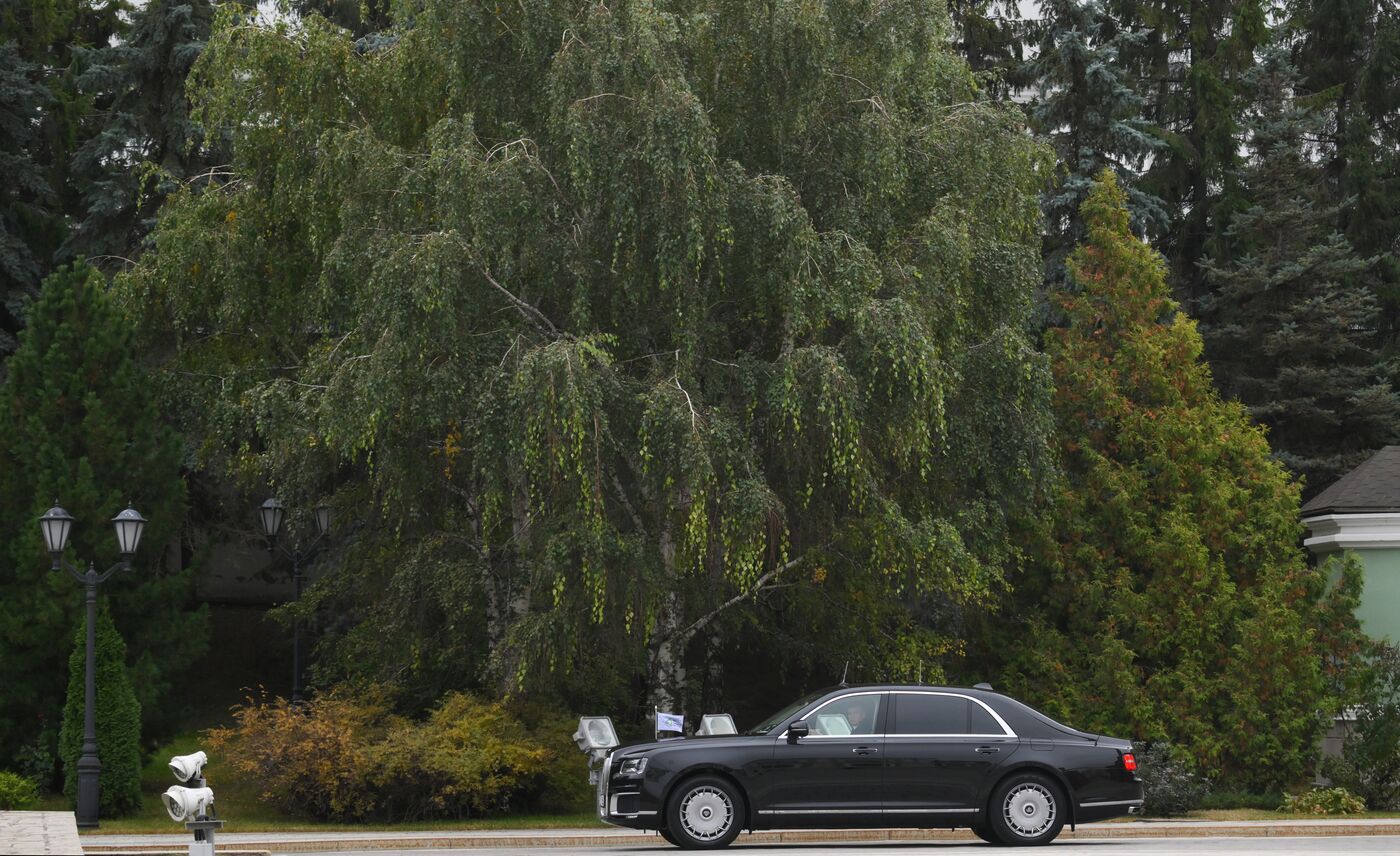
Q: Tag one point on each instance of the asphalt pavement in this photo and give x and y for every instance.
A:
(1303, 846)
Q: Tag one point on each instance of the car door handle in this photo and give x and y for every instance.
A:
(988, 750)
(865, 750)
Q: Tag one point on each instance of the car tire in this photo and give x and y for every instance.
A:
(670, 839)
(704, 813)
(1027, 809)
(986, 835)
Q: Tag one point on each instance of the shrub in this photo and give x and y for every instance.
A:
(1267, 801)
(1369, 765)
(348, 758)
(118, 721)
(310, 760)
(1323, 801)
(1172, 786)
(17, 792)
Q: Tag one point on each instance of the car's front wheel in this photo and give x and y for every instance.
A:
(1027, 808)
(704, 813)
(986, 835)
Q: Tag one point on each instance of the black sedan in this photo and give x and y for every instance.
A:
(876, 756)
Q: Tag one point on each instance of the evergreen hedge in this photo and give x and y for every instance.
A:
(118, 720)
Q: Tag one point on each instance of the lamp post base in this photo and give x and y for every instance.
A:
(89, 769)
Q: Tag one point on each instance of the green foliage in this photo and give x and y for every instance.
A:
(1323, 801)
(16, 792)
(117, 717)
(1292, 324)
(1087, 105)
(146, 144)
(1170, 783)
(1230, 799)
(22, 199)
(1169, 599)
(78, 423)
(350, 759)
(702, 313)
(1370, 761)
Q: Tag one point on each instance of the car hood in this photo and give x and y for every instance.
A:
(675, 743)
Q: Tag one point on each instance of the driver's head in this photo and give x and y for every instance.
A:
(855, 714)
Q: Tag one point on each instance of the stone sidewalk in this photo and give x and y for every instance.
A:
(38, 833)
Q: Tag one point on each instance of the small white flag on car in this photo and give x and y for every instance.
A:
(669, 722)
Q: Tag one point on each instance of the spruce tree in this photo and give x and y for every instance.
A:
(25, 192)
(144, 143)
(116, 715)
(1293, 320)
(991, 37)
(1087, 105)
(1167, 598)
(78, 423)
(1190, 65)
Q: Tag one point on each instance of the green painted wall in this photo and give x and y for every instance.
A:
(1379, 611)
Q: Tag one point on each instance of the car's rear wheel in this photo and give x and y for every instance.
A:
(704, 813)
(986, 835)
(1027, 809)
(670, 839)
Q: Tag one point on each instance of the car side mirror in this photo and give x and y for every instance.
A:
(796, 730)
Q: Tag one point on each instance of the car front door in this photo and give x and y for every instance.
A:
(940, 748)
(833, 776)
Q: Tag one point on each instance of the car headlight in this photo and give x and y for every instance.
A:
(632, 767)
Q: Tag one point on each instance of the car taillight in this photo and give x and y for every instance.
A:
(1129, 762)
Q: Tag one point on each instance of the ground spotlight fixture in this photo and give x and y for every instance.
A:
(186, 767)
(184, 804)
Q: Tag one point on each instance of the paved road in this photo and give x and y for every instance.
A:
(1311, 846)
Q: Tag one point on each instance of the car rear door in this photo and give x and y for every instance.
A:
(940, 748)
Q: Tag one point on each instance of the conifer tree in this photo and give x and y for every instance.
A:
(1292, 318)
(1168, 597)
(116, 715)
(1190, 65)
(1086, 104)
(991, 37)
(25, 192)
(78, 423)
(144, 143)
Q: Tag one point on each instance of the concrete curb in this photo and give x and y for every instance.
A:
(253, 844)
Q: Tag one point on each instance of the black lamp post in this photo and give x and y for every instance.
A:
(57, 524)
(272, 513)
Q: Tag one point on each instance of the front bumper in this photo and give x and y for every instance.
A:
(622, 802)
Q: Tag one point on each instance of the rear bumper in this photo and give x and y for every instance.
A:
(1088, 812)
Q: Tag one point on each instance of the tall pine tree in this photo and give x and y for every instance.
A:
(1191, 64)
(1087, 105)
(1292, 319)
(78, 423)
(25, 195)
(144, 143)
(1168, 598)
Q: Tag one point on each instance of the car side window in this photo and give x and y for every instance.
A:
(852, 715)
(927, 713)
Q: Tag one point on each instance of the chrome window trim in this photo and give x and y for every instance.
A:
(841, 697)
(988, 708)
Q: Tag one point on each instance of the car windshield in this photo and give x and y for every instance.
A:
(771, 722)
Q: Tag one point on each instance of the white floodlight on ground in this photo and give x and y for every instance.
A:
(712, 724)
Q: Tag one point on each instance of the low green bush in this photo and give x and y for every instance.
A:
(1170, 783)
(17, 792)
(1323, 801)
(117, 719)
(1241, 799)
(349, 758)
(1369, 765)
